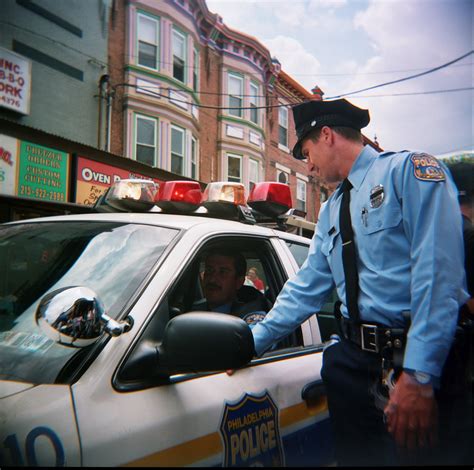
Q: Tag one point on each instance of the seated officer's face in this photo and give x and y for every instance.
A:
(220, 281)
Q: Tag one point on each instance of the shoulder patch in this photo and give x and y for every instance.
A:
(427, 168)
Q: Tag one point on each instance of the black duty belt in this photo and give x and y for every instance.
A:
(373, 338)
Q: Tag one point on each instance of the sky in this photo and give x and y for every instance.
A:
(349, 45)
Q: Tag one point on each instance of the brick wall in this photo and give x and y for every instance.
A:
(117, 42)
(210, 83)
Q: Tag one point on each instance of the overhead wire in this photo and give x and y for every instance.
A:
(411, 77)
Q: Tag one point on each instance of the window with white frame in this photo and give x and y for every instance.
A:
(253, 173)
(177, 150)
(301, 195)
(145, 142)
(283, 177)
(194, 158)
(253, 103)
(147, 35)
(283, 126)
(179, 55)
(235, 86)
(195, 70)
(234, 168)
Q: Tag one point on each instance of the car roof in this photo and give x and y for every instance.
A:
(182, 222)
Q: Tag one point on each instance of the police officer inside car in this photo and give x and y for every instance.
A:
(389, 239)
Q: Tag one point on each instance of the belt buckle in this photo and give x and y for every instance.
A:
(369, 338)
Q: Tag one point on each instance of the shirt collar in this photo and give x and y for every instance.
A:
(361, 166)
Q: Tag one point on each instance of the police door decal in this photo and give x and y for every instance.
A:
(250, 430)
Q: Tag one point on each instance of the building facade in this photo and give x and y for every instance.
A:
(64, 48)
(198, 99)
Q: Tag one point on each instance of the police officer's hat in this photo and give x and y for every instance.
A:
(314, 114)
(463, 176)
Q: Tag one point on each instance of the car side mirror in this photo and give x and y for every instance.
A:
(205, 341)
(75, 316)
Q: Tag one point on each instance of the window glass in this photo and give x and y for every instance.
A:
(300, 195)
(235, 95)
(146, 140)
(254, 103)
(283, 177)
(326, 320)
(147, 41)
(253, 173)
(177, 150)
(299, 251)
(283, 126)
(234, 168)
(179, 56)
(195, 70)
(111, 258)
(193, 158)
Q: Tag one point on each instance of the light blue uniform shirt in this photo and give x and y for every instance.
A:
(410, 257)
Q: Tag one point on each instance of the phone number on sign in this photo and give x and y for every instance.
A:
(41, 193)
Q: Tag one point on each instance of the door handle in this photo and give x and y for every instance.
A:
(313, 391)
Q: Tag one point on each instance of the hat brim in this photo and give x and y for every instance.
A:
(297, 149)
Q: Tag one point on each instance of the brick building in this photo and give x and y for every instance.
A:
(192, 96)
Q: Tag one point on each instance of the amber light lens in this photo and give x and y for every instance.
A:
(233, 193)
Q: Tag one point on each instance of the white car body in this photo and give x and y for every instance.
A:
(257, 416)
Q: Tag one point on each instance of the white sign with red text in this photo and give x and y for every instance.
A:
(15, 81)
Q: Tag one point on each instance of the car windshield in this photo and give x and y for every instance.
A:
(113, 259)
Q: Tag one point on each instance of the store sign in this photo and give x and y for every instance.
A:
(15, 81)
(43, 173)
(94, 178)
(8, 164)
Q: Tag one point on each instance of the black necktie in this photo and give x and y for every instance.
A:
(349, 253)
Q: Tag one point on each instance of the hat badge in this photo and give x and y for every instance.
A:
(313, 123)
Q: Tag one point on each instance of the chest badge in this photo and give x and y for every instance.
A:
(377, 196)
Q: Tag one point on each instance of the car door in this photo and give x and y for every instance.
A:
(272, 412)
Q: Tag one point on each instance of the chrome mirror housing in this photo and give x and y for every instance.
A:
(75, 316)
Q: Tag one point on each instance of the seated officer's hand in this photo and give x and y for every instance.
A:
(412, 414)
(230, 371)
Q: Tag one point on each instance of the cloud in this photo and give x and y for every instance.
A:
(293, 56)
(410, 39)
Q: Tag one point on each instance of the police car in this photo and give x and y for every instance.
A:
(104, 363)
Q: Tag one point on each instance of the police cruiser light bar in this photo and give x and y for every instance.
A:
(268, 203)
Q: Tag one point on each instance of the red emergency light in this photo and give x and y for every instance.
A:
(179, 196)
(272, 199)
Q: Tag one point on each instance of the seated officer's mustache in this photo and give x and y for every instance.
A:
(212, 285)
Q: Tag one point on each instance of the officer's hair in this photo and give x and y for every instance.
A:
(348, 133)
(240, 263)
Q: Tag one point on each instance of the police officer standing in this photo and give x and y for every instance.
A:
(389, 239)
